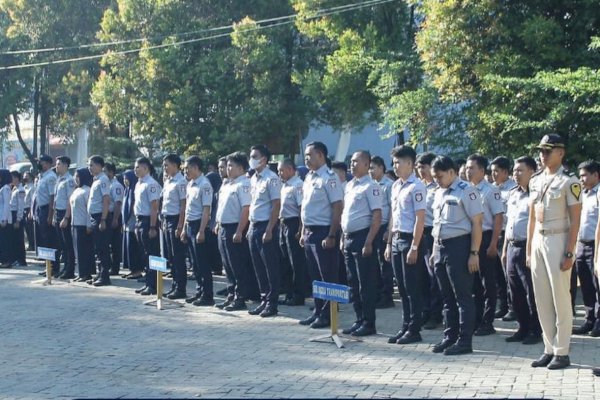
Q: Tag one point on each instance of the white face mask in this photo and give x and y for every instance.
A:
(254, 163)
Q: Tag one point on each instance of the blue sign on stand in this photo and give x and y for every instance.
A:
(158, 264)
(331, 292)
(44, 253)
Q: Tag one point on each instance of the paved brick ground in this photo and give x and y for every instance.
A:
(72, 340)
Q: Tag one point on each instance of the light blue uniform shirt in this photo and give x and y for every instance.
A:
(45, 188)
(29, 192)
(173, 193)
(505, 190)
(234, 195)
(408, 197)
(78, 201)
(17, 201)
(199, 195)
(291, 198)
(265, 187)
(385, 184)
(117, 191)
(517, 214)
(321, 189)
(65, 185)
(453, 209)
(362, 197)
(5, 214)
(431, 189)
(100, 188)
(589, 214)
(147, 190)
(491, 199)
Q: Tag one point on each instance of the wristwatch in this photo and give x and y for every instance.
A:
(414, 248)
(568, 254)
(474, 252)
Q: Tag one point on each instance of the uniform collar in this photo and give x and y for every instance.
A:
(594, 189)
(455, 183)
(482, 184)
(292, 180)
(198, 179)
(361, 179)
(174, 177)
(100, 175)
(410, 179)
(323, 169)
(238, 179)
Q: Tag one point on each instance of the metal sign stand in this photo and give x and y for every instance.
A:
(322, 290)
(159, 264)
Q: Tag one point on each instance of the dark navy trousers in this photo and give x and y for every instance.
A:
(174, 250)
(200, 261)
(362, 276)
(148, 247)
(265, 258)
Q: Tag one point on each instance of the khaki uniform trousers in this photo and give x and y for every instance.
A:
(551, 288)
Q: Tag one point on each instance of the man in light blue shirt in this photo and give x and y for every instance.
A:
(115, 223)
(64, 188)
(98, 208)
(44, 208)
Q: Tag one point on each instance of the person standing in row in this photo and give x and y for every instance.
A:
(147, 196)
(321, 211)
(486, 295)
(405, 245)
(5, 218)
(214, 257)
(360, 221)
(514, 257)
(115, 227)
(264, 230)
(43, 212)
(131, 247)
(385, 272)
(28, 222)
(65, 186)
(98, 203)
(81, 225)
(198, 202)
(289, 215)
(554, 216)
(457, 230)
(173, 224)
(589, 174)
(17, 207)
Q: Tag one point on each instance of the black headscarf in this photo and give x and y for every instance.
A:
(85, 177)
(5, 177)
(128, 198)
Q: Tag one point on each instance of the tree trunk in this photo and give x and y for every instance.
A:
(30, 155)
(36, 114)
(43, 124)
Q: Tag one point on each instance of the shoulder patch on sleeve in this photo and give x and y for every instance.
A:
(376, 192)
(153, 189)
(119, 191)
(246, 188)
(462, 185)
(419, 197)
(497, 196)
(473, 196)
(576, 190)
(332, 183)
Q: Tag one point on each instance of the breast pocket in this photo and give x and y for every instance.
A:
(453, 212)
(555, 205)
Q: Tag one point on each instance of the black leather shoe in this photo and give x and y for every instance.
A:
(221, 292)
(510, 316)
(365, 330)
(176, 295)
(443, 345)
(485, 330)
(269, 311)
(140, 290)
(397, 336)
(225, 303)
(595, 332)
(309, 320)
(383, 304)
(532, 338)
(586, 327)
(559, 362)
(320, 323)
(432, 323)
(458, 349)
(100, 282)
(192, 299)
(114, 272)
(410, 337)
(67, 276)
(173, 289)
(543, 361)
(259, 309)
(237, 305)
(148, 291)
(518, 336)
(203, 302)
(500, 312)
(596, 371)
(354, 327)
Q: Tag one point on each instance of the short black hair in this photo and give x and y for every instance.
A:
(443, 163)
(173, 159)
(16, 174)
(404, 151)
(379, 162)
(320, 147)
(480, 160)
(501, 162)
(425, 158)
(364, 154)
(195, 160)
(240, 159)
(110, 167)
(64, 160)
(590, 166)
(288, 162)
(98, 160)
(339, 165)
(223, 159)
(459, 162)
(529, 161)
(145, 161)
(262, 149)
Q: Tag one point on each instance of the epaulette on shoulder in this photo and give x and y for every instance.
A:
(568, 173)
(514, 188)
(538, 173)
(330, 172)
(462, 185)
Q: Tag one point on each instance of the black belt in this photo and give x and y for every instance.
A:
(450, 240)
(402, 235)
(587, 242)
(355, 233)
(517, 243)
(316, 227)
(229, 224)
(142, 217)
(289, 219)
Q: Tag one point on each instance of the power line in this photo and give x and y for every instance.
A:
(318, 13)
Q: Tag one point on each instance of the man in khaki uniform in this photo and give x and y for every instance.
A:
(555, 208)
